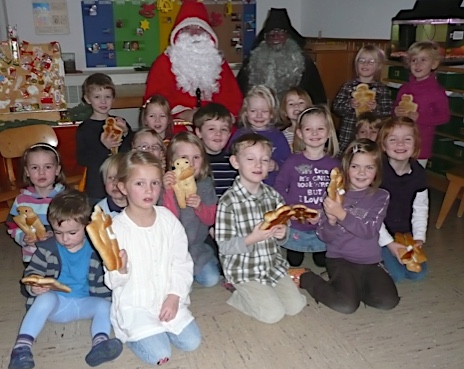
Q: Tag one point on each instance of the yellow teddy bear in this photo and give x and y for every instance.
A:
(185, 181)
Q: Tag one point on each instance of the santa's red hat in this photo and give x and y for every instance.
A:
(192, 13)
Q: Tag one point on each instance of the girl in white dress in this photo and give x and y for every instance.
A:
(151, 290)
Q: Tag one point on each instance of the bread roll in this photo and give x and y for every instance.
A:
(113, 131)
(39, 281)
(335, 189)
(103, 239)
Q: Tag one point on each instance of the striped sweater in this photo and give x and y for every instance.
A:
(46, 262)
(30, 197)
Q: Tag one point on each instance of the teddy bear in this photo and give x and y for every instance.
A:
(363, 95)
(185, 181)
(30, 223)
(407, 103)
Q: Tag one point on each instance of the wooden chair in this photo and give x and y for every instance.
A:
(456, 182)
(13, 143)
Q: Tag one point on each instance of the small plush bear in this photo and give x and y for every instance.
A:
(185, 181)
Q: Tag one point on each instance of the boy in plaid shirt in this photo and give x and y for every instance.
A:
(251, 256)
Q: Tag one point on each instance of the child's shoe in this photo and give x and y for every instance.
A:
(105, 351)
(295, 274)
(21, 358)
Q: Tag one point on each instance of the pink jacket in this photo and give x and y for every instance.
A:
(433, 108)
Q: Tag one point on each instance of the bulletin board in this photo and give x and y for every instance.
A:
(31, 78)
(125, 33)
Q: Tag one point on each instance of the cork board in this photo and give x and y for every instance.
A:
(31, 79)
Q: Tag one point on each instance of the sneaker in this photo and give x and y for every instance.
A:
(295, 274)
(105, 351)
(21, 358)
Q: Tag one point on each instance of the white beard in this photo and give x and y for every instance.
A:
(196, 63)
(278, 68)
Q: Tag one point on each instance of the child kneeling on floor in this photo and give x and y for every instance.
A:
(251, 256)
(151, 290)
(69, 258)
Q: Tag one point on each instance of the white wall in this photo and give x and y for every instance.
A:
(350, 18)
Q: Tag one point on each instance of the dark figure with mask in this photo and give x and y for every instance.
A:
(278, 60)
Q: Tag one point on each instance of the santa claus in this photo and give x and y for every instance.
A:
(192, 72)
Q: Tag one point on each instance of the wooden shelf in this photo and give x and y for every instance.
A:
(449, 136)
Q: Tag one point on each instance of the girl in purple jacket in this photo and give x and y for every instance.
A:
(351, 233)
(430, 97)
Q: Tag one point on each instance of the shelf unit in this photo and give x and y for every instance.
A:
(445, 154)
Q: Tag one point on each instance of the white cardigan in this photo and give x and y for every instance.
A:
(158, 264)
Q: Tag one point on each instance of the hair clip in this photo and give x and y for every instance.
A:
(356, 149)
(147, 101)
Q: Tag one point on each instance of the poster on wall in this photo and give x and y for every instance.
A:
(50, 17)
(132, 33)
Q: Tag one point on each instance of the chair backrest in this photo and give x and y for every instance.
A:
(14, 141)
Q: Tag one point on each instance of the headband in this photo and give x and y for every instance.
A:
(47, 146)
(306, 111)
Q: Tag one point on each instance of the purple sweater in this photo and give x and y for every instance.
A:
(433, 108)
(280, 148)
(304, 181)
(356, 238)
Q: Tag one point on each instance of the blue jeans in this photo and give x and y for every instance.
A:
(209, 275)
(398, 271)
(61, 309)
(158, 347)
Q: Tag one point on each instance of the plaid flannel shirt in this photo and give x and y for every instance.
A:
(342, 107)
(237, 214)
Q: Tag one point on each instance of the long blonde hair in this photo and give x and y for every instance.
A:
(322, 110)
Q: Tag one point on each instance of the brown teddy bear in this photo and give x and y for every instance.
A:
(185, 181)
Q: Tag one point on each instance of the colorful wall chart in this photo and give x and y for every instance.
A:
(123, 33)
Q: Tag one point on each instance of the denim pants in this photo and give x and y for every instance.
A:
(61, 309)
(158, 347)
(209, 275)
(399, 271)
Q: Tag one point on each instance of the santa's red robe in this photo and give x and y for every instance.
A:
(161, 80)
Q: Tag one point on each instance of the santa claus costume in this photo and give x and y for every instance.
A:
(192, 72)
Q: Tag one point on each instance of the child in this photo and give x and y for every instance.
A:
(250, 256)
(368, 63)
(151, 290)
(146, 139)
(304, 177)
(368, 126)
(405, 179)
(115, 202)
(294, 101)
(93, 147)
(200, 212)
(69, 258)
(213, 124)
(258, 114)
(43, 179)
(351, 233)
(430, 97)
(156, 114)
